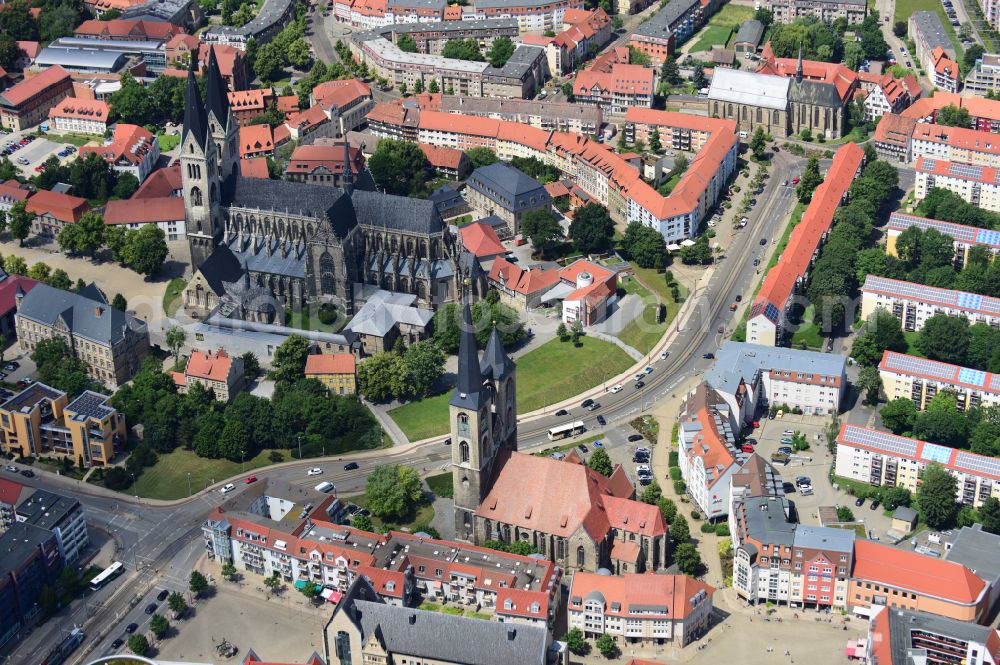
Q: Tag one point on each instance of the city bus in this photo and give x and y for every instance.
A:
(110, 573)
(570, 429)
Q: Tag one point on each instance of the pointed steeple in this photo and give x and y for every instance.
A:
(217, 99)
(495, 363)
(798, 66)
(468, 387)
(348, 171)
(194, 110)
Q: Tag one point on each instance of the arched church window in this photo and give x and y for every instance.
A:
(326, 268)
(760, 115)
(581, 556)
(213, 195)
(463, 423)
(195, 196)
(463, 451)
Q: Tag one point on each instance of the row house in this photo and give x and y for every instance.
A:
(964, 237)
(544, 115)
(955, 144)
(946, 74)
(615, 91)
(984, 113)
(919, 380)
(708, 454)
(887, 94)
(912, 304)
(28, 103)
(828, 11)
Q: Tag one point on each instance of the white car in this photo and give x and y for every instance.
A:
(663, 355)
(805, 489)
(315, 471)
(617, 388)
(226, 489)
(643, 468)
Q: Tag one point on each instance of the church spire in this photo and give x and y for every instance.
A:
(468, 387)
(194, 110)
(217, 99)
(348, 172)
(495, 364)
(798, 66)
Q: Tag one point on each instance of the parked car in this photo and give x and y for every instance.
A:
(634, 437)
(664, 354)
(639, 384)
(649, 369)
(12, 468)
(251, 479)
(315, 471)
(785, 449)
(708, 356)
(788, 487)
(27, 473)
(562, 412)
(162, 596)
(117, 643)
(587, 403)
(786, 439)
(874, 505)
(803, 480)
(227, 488)
(350, 466)
(150, 608)
(617, 388)
(860, 501)
(795, 180)
(583, 448)
(601, 421)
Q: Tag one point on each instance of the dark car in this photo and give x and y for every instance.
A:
(875, 505)
(763, 241)
(860, 501)
(562, 412)
(635, 437)
(11, 366)
(601, 421)
(708, 356)
(24, 383)
(739, 298)
(639, 384)
(587, 403)
(788, 487)
(583, 448)
(150, 608)
(27, 473)
(131, 628)
(162, 596)
(351, 466)
(117, 643)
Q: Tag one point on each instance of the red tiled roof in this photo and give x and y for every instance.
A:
(29, 49)
(63, 207)
(389, 583)
(622, 79)
(458, 124)
(8, 291)
(958, 137)
(671, 592)
(86, 109)
(130, 143)
(840, 76)
(11, 191)
(978, 107)
(521, 603)
(149, 30)
(209, 366)
(312, 116)
(340, 93)
(255, 167)
(10, 492)
(441, 157)
(520, 280)
(255, 139)
(29, 87)
(893, 128)
(144, 211)
(256, 99)
(160, 183)
(329, 363)
(481, 240)
(307, 158)
(288, 104)
(904, 569)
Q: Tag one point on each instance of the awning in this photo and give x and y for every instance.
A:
(558, 292)
(331, 596)
(673, 247)
(687, 242)
(301, 584)
(862, 611)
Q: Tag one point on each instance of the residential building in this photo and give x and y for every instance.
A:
(84, 116)
(747, 376)
(640, 608)
(919, 379)
(946, 73)
(616, 91)
(388, 317)
(928, 34)
(29, 561)
(749, 37)
(133, 149)
(984, 113)
(502, 190)
(11, 494)
(247, 105)
(977, 550)
(26, 104)
(557, 116)
(955, 144)
(184, 13)
(166, 213)
(267, 21)
(524, 73)
(256, 141)
(432, 37)
(12, 287)
(41, 421)
(112, 343)
(583, 32)
(54, 210)
(305, 127)
(217, 371)
(591, 289)
(521, 288)
(707, 452)
(346, 103)
(912, 304)
(899, 636)
(481, 240)
(768, 318)
(336, 371)
(127, 30)
(984, 77)
(888, 94)
(10, 193)
(878, 458)
(323, 163)
(667, 29)
(828, 11)
(62, 515)
(978, 185)
(366, 629)
(893, 136)
(448, 162)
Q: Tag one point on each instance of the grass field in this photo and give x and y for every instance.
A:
(79, 140)
(172, 296)
(441, 485)
(906, 8)
(722, 26)
(712, 35)
(551, 373)
(168, 141)
(808, 333)
(642, 333)
(168, 478)
(418, 520)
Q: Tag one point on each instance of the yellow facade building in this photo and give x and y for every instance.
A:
(336, 371)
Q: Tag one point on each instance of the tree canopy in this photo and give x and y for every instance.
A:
(644, 245)
(393, 491)
(818, 40)
(400, 167)
(936, 497)
(592, 229)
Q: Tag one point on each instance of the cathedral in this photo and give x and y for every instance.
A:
(569, 513)
(261, 246)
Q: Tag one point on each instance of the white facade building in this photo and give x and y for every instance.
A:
(978, 185)
(919, 379)
(913, 303)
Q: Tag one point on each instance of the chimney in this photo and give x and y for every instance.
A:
(511, 634)
(98, 311)
(413, 619)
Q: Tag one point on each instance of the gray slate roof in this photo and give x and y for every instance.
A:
(396, 213)
(662, 23)
(751, 31)
(78, 313)
(46, 509)
(978, 551)
(766, 520)
(443, 637)
(824, 538)
(384, 310)
(18, 542)
(814, 92)
(739, 360)
(270, 13)
(506, 185)
(520, 62)
(296, 198)
(221, 267)
(903, 622)
(272, 257)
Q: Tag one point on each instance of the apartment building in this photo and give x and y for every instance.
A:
(767, 320)
(29, 561)
(346, 103)
(61, 515)
(41, 421)
(887, 94)
(984, 113)
(336, 371)
(978, 185)
(955, 144)
(708, 455)
(502, 190)
(216, 371)
(912, 304)
(667, 29)
(880, 458)
(945, 73)
(583, 33)
(617, 90)
(432, 37)
(828, 11)
(548, 116)
(270, 18)
(928, 34)
(893, 137)
(750, 376)
(11, 494)
(27, 103)
(132, 149)
(84, 116)
(112, 343)
(965, 237)
(920, 380)
(984, 77)
(897, 635)
(53, 211)
(646, 609)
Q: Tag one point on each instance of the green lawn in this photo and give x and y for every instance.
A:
(168, 141)
(808, 333)
(302, 321)
(642, 333)
(419, 519)
(712, 35)
(551, 373)
(442, 485)
(79, 140)
(911, 340)
(722, 25)
(172, 296)
(168, 478)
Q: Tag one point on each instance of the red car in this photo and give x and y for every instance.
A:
(39, 168)
(756, 424)
(251, 479)
(795, 180)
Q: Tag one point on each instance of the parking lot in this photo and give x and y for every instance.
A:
(620, 443)
(814, 463)
(36, 152)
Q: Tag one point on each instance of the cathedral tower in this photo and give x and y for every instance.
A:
(222, 127)
(483, 421)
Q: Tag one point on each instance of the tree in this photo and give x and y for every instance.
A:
(972, 53)
(670, 72)
(131, 102)
(606, 645)
(844, 514)
(501, 51)
(145, 249)
(17, 21)
(562, 333)
(197, 583)
(433, 87)
(15, 265)
(854, 55)
(882, 333)
(228, 571)
(424, 366)
(655, 145)
(699, 253)
(273, 582)
(601, 462)
(251, 365)
(576, 642)
(698, 79)
(945, 338)
(91, 232)
(119, 303)
(481, 156)
(126, 186)
(175, 339)
(899, 28)
(176, 603)
(383, 377)
(758, 144)
(989, 514)
(289, 362)
(651, 494)
(310, 590)
(953, 116)
(19, 220)
(138, 644)
(393, 491)
(362, 522)
(418, 86)
(644, 245)
(159, 625)
(567, 90)
(269, 62)
(40, 271)
(680, 532)
(765, 16)
(809, 181)
(899, 415)
(541, 228)
(687, 558)
(936, 497)
(869, 383)
(399, 167)
(668, 509)
(406, 43)
(462, 49)
(591, 228)
(68, 581)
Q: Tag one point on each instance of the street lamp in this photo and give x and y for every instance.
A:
(133, 486)
(189, 483)
(300, 446)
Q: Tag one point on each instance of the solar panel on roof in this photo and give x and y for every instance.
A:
(913, 365)
(966, 170)
(995, 382)
(971, 376)
(932, 452)
(929, 164)
(978, 463)
(969, 300)
(883, 441)
(772, 312)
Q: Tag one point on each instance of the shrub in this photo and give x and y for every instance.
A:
(327, 314)
(707, 528)
(675, 473)
(721, 529)
(680, 487)
(695, 515)
(672, 458)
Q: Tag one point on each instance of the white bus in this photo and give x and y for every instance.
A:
(570, 429)
(110, 573)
